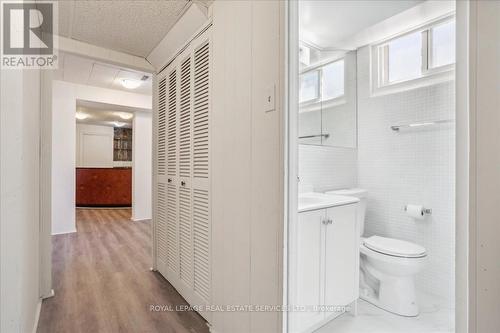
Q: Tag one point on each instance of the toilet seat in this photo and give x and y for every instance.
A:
(394, 247)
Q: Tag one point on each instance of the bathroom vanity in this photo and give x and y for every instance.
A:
(324, 260)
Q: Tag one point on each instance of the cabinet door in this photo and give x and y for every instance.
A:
(341, 256)
(308, 270)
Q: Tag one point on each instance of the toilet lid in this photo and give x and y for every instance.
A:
(394, 247)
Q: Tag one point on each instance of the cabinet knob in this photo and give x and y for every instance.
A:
(327, 221)
(169, 180)
(183, 183)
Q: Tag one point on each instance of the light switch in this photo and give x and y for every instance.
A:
(269, 95)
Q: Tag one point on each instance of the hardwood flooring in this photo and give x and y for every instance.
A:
(102, 280)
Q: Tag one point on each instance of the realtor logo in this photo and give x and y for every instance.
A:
(28, 34)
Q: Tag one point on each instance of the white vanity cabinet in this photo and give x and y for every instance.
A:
(324, 265)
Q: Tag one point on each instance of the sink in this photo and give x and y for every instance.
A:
(313, 200)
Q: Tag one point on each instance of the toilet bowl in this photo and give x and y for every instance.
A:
(387, 267)
(387, 273)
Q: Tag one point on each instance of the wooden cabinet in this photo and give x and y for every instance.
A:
(324, 266)
(103, 187)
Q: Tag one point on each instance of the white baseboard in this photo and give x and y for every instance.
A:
(51, 294)
(64, 232)
(133, 219)
(37, 315)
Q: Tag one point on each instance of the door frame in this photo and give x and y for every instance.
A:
(465, 248)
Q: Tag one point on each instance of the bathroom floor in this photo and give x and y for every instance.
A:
(435, 316)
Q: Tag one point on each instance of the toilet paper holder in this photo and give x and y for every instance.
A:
(426, 211)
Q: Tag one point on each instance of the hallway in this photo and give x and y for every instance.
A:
(102, 280)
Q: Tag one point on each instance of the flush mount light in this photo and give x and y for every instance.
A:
(118, 124)
(81, 115)
(131, 83)
(124, 115)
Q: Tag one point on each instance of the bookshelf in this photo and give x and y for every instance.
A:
(122, 144)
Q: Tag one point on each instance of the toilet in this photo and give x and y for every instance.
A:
(387, 267)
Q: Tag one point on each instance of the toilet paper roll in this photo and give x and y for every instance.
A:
(415, 211)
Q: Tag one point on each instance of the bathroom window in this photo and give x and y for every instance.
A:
(417, 57)
(323, 83)
(442, 45)
(404, 59)
(333, 80)
(309, 86)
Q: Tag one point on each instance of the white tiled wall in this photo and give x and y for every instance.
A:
(327, 168)
(411, 166)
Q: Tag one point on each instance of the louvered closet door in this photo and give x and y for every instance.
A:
(185, 173)
(183, 225)
(166, 210)
(201, 171)
(160, 204)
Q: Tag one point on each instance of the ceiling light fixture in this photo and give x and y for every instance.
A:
(118, 124)
(81, 115)
(131, 83)
(124, 115)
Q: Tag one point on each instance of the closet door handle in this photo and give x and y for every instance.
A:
(183, 183)
(169, 180)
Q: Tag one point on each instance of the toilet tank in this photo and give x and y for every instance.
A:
(361, 194)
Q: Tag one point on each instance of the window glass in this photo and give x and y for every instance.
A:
(309, 86)
(333, 80)
(443, 44)
(405, 59)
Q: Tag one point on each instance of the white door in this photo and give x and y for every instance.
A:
(341, 256)
(182, 211)
(166, 211)
(94, 146)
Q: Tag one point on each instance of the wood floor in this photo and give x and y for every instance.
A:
(102, 280)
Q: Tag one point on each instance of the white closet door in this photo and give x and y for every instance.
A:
(172, 175)
(160, 203)
(185, 173)
(183, 230)
(201, 171)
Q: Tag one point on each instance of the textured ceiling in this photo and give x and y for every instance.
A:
(82, 70)
(133, 27)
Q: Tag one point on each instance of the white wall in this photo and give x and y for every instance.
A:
(94, 146)
(484, 175)
(64, 97)
(142, 166)
(410, 167)
(19, 200)
(247, 163)
(248, 175)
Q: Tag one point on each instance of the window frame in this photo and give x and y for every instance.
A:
(429, 75)
(331, 101)
(319, 80)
